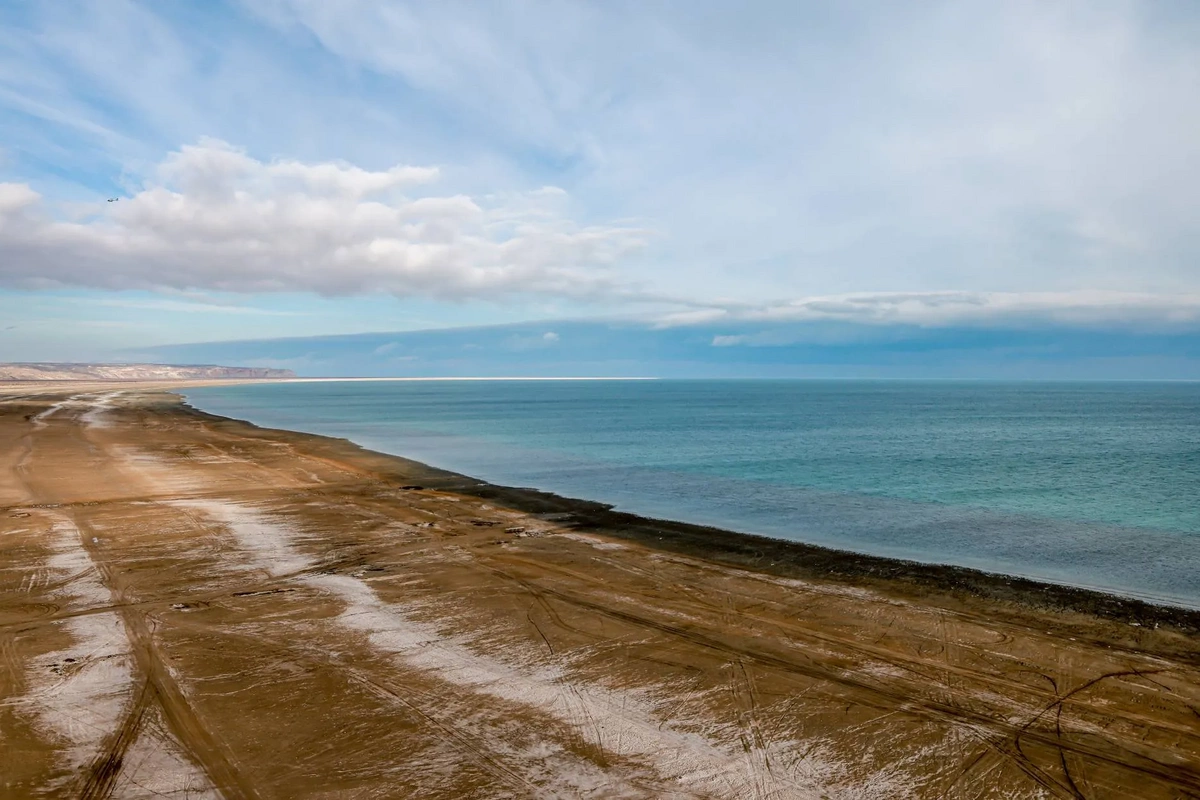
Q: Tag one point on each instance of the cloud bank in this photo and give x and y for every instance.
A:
(214, 218)
(945, 309)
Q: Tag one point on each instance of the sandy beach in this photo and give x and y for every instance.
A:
(194, 607)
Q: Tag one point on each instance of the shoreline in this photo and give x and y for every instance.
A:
(781, 557)
(142, 382)
(197, 606)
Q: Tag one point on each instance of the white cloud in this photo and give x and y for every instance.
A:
(550, 336)
(215, 218)
(16, 197)
(779, 150)
(214, 169)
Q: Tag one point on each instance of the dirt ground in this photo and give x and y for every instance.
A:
(193, 607)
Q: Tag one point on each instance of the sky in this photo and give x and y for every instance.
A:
(791, 188)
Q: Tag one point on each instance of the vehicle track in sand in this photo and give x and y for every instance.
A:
(1010, 736)
(160, 688)
(157, 688)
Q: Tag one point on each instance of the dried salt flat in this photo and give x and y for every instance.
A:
(621, 722)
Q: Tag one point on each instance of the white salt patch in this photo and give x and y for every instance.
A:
(881, 669)
(81, 701)
(97, 405)
(70, 560)
(155, 766)
(39, 419)
(854, 592)
(832, 590)
(155, 473)
(79, 695)
(599, 544)
(269, 544)
(95, 417)
(619, 722)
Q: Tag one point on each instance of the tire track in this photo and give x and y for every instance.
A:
(101, 776)
(880, 696)
(182, 720)
(157, 686)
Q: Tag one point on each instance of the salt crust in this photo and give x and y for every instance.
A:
(621, 722)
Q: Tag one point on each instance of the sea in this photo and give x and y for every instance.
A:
(1087, 484)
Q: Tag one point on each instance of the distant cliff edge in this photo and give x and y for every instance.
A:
(132, 372)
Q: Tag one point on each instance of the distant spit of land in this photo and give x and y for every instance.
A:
(52, 371)
(97, 375)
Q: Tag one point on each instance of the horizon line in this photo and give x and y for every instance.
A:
(469, 378)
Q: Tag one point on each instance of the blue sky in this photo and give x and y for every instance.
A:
(748, 176)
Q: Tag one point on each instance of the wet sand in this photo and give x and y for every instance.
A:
(194, 607)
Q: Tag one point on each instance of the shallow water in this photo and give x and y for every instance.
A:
(1087, 484)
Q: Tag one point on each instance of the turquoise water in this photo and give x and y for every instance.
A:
(1088, 484)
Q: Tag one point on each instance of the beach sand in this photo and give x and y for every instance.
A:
(194, 607)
